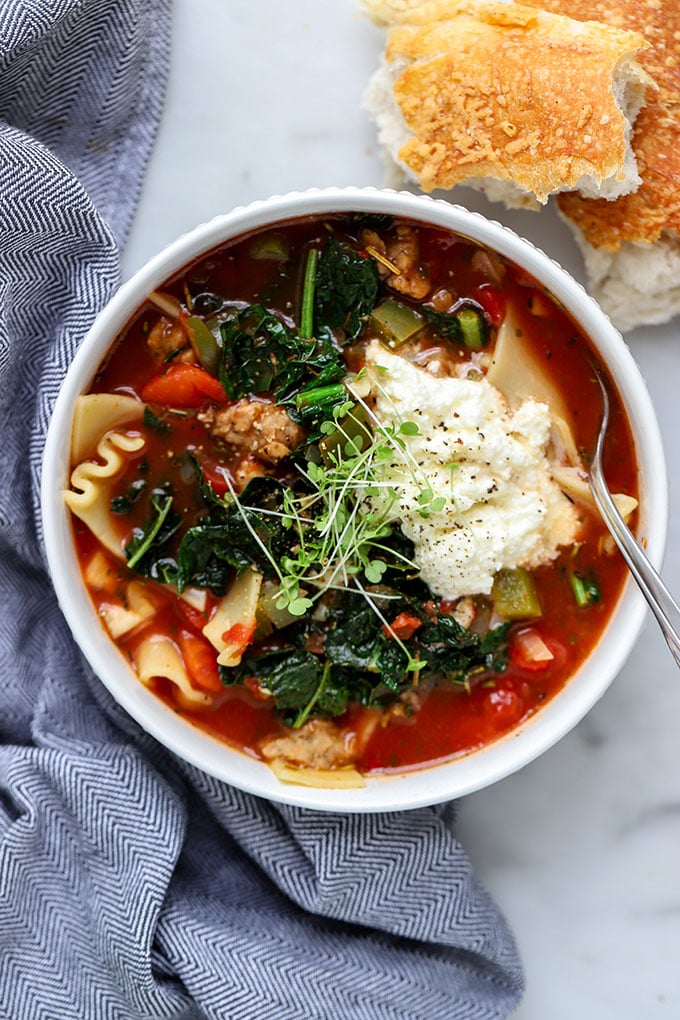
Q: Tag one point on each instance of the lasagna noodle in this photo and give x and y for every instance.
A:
(97, 413)
(157, 656)
(345, 778)
(91, 483)
(519, 375)
(501, 91)
(232, 625)
(125, 615)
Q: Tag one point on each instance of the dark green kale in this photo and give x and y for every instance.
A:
(466, 325)
(254, 341)
(359, 661)
(356, 641)
(453, 652)
(229, 538)
(226, 540)
(300, 682)
(147, 551)
(346, 289)
(320, 366)
(123, 504)
(152, 421)
(261, 355)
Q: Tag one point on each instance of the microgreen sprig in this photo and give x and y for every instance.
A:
(349, 506)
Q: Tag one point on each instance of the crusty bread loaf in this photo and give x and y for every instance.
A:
(515, 101)
(639, 284)
(632, 246)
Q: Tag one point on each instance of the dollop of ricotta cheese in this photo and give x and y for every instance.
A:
(489, 464)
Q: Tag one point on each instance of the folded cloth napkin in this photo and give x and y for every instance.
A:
(132, 885)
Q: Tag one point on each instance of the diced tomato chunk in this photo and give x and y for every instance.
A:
(184, 386)
(492, 301)
(200, 660)
(192, 615)
(403, 626)
(239, 636)
(505, 705)
(253, 685)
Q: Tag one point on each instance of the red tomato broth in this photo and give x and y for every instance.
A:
(451, 720)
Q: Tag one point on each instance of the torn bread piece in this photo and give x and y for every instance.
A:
(514, 101)
(632, 246)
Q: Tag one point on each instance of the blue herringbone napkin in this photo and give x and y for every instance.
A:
(131, 885)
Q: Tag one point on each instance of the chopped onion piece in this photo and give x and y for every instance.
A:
(533, 647)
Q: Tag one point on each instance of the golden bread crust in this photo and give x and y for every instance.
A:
(654, 209)
(501, 90)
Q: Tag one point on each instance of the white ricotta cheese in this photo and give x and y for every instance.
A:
(490, 465)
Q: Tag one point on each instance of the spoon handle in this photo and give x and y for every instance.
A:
(659, 599)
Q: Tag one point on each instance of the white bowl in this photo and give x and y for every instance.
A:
(413, 789)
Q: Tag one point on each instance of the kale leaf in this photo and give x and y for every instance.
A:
(358, 661)
(291, 675)
(300, 683)
(346, 289)
(206, 560)
(261, 355)
(147, 551)
(453, 651)
(223, 541)
(253, 342)
(124, 503)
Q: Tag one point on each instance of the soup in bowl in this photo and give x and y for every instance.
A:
(316, 503)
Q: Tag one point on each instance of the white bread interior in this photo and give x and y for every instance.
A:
(637, 285)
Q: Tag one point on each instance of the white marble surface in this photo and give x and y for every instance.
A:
(581, 848)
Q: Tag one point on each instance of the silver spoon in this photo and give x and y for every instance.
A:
(660, 600)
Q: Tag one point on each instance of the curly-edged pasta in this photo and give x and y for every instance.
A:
(92, 482)
(158, 656)
(97, 413)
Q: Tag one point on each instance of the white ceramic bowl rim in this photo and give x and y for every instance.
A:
(407, 790)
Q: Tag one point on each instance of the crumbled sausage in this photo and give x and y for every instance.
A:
(255, 426)
(404, 253)
(248, 467)
(319, 744)
(168, 340)
(465, 612)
